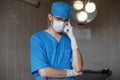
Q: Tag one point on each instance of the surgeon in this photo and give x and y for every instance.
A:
(54, 53)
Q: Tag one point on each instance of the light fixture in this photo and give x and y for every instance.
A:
(82, 16)
(90, 7)
(78, 5)
(83, 11)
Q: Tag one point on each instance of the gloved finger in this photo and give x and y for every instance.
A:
(66, 29)
(69, 24)
(80, 73)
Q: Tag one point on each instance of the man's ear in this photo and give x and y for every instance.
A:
(50, 17)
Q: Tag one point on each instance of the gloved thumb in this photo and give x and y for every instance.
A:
(66, 29)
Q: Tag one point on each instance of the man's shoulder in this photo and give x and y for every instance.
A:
(38, 33)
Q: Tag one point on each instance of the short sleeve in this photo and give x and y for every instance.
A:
(38, 56)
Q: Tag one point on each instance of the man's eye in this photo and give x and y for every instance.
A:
(58, 18)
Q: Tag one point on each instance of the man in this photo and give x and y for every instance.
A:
(54, 52)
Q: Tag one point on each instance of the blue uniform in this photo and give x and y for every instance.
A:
(46, 51)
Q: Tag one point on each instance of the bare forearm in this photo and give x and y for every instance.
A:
(52, 72)
(77, 63)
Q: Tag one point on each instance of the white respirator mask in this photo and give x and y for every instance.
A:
(58, 26)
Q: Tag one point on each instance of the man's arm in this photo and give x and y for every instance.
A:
(56, 73)
(52, 72)
(77, 62)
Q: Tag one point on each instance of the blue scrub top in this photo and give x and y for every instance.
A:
(46, 51)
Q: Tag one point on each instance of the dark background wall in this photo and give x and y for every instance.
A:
(100, 42)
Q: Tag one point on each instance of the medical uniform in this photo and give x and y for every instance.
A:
(46, 51)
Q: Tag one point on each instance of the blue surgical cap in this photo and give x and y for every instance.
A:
(61, 9)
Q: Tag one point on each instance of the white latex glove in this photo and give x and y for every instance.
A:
(69, 31)
(71, 73)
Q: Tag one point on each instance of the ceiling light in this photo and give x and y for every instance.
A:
(78, 5)
(90, 7)
(82, 16)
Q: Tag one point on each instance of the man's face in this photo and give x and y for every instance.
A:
(58, 23)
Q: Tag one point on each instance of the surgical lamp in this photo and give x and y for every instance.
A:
(83, 11)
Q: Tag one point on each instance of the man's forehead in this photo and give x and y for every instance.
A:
(61, 18)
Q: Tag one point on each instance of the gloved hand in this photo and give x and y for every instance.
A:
(71, 73)
(69, 31)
